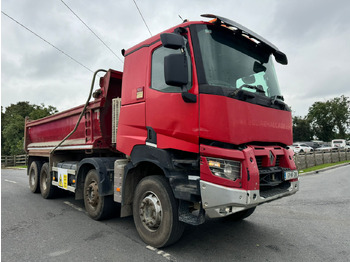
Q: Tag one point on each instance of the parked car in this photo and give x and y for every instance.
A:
(332, 149)
(301, 148)
(325, 149)
(341, 143)
(315, 144)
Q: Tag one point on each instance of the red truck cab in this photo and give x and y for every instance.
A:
(196, 124)
(237, 120)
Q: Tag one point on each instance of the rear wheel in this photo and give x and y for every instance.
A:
(34, 176)
(47, 189)
(98, 207)
(241, 214)
(155, 212)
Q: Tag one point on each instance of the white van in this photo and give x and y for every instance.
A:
(340, 143)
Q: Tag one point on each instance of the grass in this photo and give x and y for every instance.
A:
(315, 168)
(17, 166)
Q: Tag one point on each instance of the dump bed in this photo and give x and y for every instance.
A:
(94, 130)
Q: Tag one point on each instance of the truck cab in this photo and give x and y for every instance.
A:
(211, 96)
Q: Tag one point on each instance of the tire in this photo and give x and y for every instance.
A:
(241, 214)
(34, 176)
(98, 207)
(47, 189)
(154, 201)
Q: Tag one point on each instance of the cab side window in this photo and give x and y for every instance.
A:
(158, 80)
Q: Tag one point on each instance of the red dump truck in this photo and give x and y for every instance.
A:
(194, 127)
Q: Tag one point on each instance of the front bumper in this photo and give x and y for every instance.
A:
(220, 201)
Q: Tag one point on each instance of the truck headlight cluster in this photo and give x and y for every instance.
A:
(224, 168)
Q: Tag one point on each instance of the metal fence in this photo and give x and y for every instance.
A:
(19, 160)
(306, 160)
(302, 160)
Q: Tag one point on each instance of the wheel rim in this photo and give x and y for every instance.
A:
(44, 179)
(32, 177)
(92, 194)
(151, 211)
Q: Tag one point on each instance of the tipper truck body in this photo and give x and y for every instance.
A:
(194, 127)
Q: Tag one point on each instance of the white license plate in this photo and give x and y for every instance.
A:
(292, 174)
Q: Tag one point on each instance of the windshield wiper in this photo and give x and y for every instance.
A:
(245, 94)
(273, 98)
(258, 88)
(255, 98)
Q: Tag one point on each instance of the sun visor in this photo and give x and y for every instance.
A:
(279, 56)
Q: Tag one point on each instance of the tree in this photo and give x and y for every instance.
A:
(330, 119)
(340, 107)
(302, 129)
(12, 124)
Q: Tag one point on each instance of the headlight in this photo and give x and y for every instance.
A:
(228, 169)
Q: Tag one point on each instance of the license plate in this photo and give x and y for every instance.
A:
(291, 174)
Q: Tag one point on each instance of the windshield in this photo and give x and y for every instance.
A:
(233, 62)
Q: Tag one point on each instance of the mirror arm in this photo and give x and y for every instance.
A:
(180, 30)
(188, 97)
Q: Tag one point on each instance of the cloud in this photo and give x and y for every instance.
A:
(310, 20)
(314, 35)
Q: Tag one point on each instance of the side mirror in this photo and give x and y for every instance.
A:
(171, 40)
(176, 70)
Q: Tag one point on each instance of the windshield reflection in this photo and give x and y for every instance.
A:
(235, 62)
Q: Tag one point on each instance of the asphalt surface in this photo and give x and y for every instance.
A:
(312, 225)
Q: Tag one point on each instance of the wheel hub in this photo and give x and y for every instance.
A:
(151, 211)
(44, 179)
(32, 177)
(92, 194)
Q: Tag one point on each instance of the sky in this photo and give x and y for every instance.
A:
(315, 35)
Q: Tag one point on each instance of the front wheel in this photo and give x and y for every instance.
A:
(155, 212)
(98, 207)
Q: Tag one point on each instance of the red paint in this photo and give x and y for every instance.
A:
(131, 129)
(136, 68)
(218, 152)
(237, 122)
(95, 126)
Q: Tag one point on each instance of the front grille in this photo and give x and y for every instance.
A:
(259, 160)
(278, 160)
(270, 177)
(268, 160)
